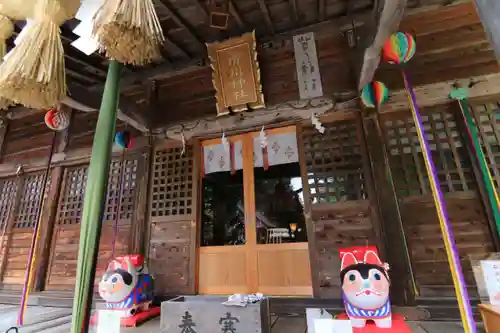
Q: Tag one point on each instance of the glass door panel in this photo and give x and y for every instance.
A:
(223, 213)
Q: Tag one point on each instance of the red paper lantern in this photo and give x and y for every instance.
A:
(57, 120)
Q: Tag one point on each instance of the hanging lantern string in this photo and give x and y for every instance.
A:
(124, 140)
(399, 49)
(374, 95)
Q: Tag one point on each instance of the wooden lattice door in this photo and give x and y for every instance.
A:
(335, 175)
(418, 212)
(172, 243)
(66, 234)
(20, 199)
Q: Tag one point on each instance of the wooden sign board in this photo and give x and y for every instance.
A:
(236, 74)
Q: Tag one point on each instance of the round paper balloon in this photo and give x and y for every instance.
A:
(399, 48)
(374, 94)
(124, 139)
(57, 120)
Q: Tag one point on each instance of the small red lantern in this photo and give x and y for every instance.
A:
(57, 120)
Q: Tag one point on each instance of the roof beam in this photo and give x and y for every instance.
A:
(180, 21)
(128, 110)
(165, 70)
(267, 16)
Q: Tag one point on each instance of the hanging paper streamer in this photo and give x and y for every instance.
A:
(461, 96)
(317, 124)
(399, 49)
(374, 94)
(57, 119)
(124, 139)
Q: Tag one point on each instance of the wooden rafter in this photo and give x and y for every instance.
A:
(234, 12)
(321, 10)
(180, 21)
(267, 16)
(390, 15)
(293, 9)
(174, 45)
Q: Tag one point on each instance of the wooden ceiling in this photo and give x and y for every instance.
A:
(449, 35)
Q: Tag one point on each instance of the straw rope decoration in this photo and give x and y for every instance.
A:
(33, 72)
(398, 50)
(6, 30)
(129, 31)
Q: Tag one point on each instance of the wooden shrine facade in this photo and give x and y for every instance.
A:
(346, 192)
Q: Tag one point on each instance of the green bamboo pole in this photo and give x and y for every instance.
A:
(460, 94)
(93, 205)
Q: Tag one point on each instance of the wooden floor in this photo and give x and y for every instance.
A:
(58, 320)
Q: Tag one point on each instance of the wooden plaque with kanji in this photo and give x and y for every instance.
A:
(236, 74)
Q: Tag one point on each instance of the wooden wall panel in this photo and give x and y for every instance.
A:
(472, 237)
(457, 181)
(27, 137)
(18, 234)
(172, 221)
(340, 213)
(65, 239)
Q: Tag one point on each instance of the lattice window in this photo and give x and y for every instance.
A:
(71, 206)
(334, 163)
(487, 117)
(172, 183)
(72, 194)
(127, 172)
(30, 201)
(8, 189)
(448, 152)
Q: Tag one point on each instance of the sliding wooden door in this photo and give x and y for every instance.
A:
(253, 233)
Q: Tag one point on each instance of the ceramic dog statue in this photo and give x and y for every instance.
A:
(365, 286)
(126, 287)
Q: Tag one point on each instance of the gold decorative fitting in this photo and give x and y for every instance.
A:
(219, 14)
(236, 74)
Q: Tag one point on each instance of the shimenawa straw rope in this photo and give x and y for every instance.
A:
(129, 31)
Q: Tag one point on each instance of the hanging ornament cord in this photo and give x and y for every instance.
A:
(385, 153)
(119, 199)
(444, 222)
(485, 170)
(34, 242)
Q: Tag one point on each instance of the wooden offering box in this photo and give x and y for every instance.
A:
(207, 314)
(491, 317)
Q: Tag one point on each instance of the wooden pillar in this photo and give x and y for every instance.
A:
(140, 215)
(48, 219)
(311, 234)
(396, 247)
(95, 194)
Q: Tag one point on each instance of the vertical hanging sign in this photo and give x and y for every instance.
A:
(236, 74)
(306, 61)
